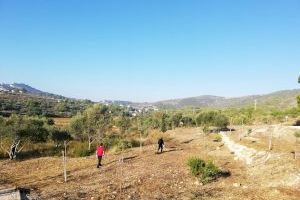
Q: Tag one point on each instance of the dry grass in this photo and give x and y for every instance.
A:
(143, 175)
(62, 122)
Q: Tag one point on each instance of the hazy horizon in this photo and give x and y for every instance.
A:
(146, 51)
(170, 98)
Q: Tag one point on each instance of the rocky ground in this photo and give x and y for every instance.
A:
(147, 175)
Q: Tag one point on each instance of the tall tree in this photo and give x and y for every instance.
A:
(92, 124)
(124, 124)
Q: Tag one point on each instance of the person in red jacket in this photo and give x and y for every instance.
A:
(100, 154)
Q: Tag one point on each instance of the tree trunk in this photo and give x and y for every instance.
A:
(90, 143)
(140, 141)
(14, 150)
(295, 154)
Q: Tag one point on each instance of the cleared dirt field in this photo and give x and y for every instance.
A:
(147, 175)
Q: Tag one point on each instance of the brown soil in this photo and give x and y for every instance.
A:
(143, 175)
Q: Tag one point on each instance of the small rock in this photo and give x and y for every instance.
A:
(198, 183)
(245, 187)
(236, 185)
(276, 191)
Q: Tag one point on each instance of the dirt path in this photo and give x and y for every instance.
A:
(143, 175)
(279, 169)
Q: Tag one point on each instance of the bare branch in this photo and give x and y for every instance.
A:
(25, 142)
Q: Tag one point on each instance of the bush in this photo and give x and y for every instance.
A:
(196, 166)
(297, 134)
(79, 149)
(207, 172)
(126, 144)
(217, 138)
(212, 118)
(211, 172)
(154, 135)
(297, 123)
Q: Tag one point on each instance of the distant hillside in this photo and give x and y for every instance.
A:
(23, 99)
(21, 88)
(280, 99)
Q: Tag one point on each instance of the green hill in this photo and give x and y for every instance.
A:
(280, 99)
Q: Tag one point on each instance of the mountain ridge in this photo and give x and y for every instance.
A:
(281, 99)
(22, 88)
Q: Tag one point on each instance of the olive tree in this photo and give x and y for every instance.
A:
(124, 123)
(212, 118)
(60, 136)
(176, 120)
(17, 131)
(91, 124)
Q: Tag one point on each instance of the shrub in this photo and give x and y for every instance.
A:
(79, 149)
(212, 118)
(110, 140)
(127, 143)
(297, 134)
(154, 135)
(207, 172)
(297, 123)
(196, 166)
(217, 138)
(211, 172)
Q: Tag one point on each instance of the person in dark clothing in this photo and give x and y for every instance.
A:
(160, 145)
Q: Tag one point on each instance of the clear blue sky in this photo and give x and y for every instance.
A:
(148, 50)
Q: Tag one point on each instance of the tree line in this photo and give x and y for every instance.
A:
(41, 106)
(98, 123)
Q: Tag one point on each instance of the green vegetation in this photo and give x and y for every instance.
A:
(280, 99)
(27, 120)
(92, 124)
(217, 138)
(38, 105)
(297, 134)
(212, 118)
(18, 131)
(207, 172)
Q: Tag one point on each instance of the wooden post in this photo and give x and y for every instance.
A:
(295, 154)
(270, 141)
(64, 165)
(230, 125)
(240, 134)
(140, 141)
